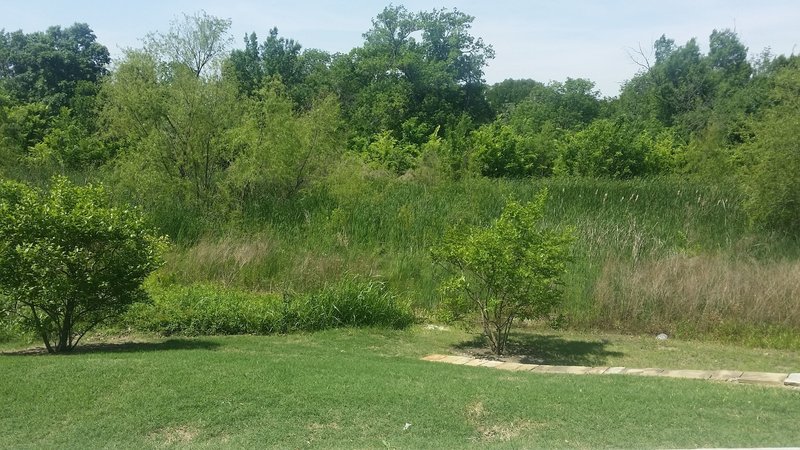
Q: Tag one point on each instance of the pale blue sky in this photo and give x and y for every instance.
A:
(543, 40)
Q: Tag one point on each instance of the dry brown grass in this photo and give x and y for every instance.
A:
(701, 292)
(172, 436)
(490, 431)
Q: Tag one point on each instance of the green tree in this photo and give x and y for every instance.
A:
(281, 58)
(570, 105)
(304, 73)
(677, 90)
(169, 110)
(280, 151)
(49, 66)
(415, 73)
(772, 158)
(196, 42)
(23, 126)
(69, 261)
(70, 143)
(245, 65)
(509, 270)
(727, 57)
(508, 93)
(50, 80)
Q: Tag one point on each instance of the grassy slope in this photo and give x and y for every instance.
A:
(358, 388)
(656, 255)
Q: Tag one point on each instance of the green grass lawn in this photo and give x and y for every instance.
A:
(359, 388)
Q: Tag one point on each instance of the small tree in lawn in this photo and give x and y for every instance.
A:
(509, 270)
(69, 261)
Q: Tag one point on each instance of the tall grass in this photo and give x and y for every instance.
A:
(210, 309)
(705, 294)
(630, 235)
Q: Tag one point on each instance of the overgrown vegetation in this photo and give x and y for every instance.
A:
(210, 310)
(275, 168)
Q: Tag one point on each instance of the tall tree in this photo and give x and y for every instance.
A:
(49, 66)
(194, 41)
(415, 73)
(727, 57)
(304, 73)
(772, 157)
(678, 89)
(246, 66)
(170, 110)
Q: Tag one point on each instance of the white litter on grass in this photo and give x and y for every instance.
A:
(662, 337)
(406, 426)
(431, 326)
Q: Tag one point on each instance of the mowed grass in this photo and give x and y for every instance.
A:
(360, 388)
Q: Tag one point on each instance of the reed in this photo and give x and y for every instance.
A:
(648, 253)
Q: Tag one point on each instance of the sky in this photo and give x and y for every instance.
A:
(542, 40)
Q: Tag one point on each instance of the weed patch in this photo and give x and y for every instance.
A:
(702, 295)
(213, 310)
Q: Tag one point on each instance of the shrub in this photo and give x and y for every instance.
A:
(501, 151)
(605, 149)
(511, 269)
(208, 310)
(68, 261)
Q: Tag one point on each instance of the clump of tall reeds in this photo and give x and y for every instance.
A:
(699, 295)
(625, 230)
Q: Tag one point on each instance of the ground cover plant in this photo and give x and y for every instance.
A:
(367, 388)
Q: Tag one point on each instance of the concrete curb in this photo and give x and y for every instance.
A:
(731, 376)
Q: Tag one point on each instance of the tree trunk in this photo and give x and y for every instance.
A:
(45, 337)
(65, 333)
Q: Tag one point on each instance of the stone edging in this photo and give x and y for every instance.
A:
(732, 376)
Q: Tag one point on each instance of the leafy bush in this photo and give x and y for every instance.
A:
(68, 261)
(500, 151)
(511, 269)
(391, 154)
(604, 149)
(207, 309)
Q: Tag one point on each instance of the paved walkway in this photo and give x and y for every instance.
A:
(733, 376)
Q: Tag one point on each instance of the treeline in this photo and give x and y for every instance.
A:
(186, 127)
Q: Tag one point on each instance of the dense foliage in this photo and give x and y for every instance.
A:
(508, 271)
(206, 310)
(68, 261)
(220, 128)
(278, 165)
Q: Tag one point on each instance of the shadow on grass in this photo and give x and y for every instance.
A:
(530, 348)
(124, 347)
